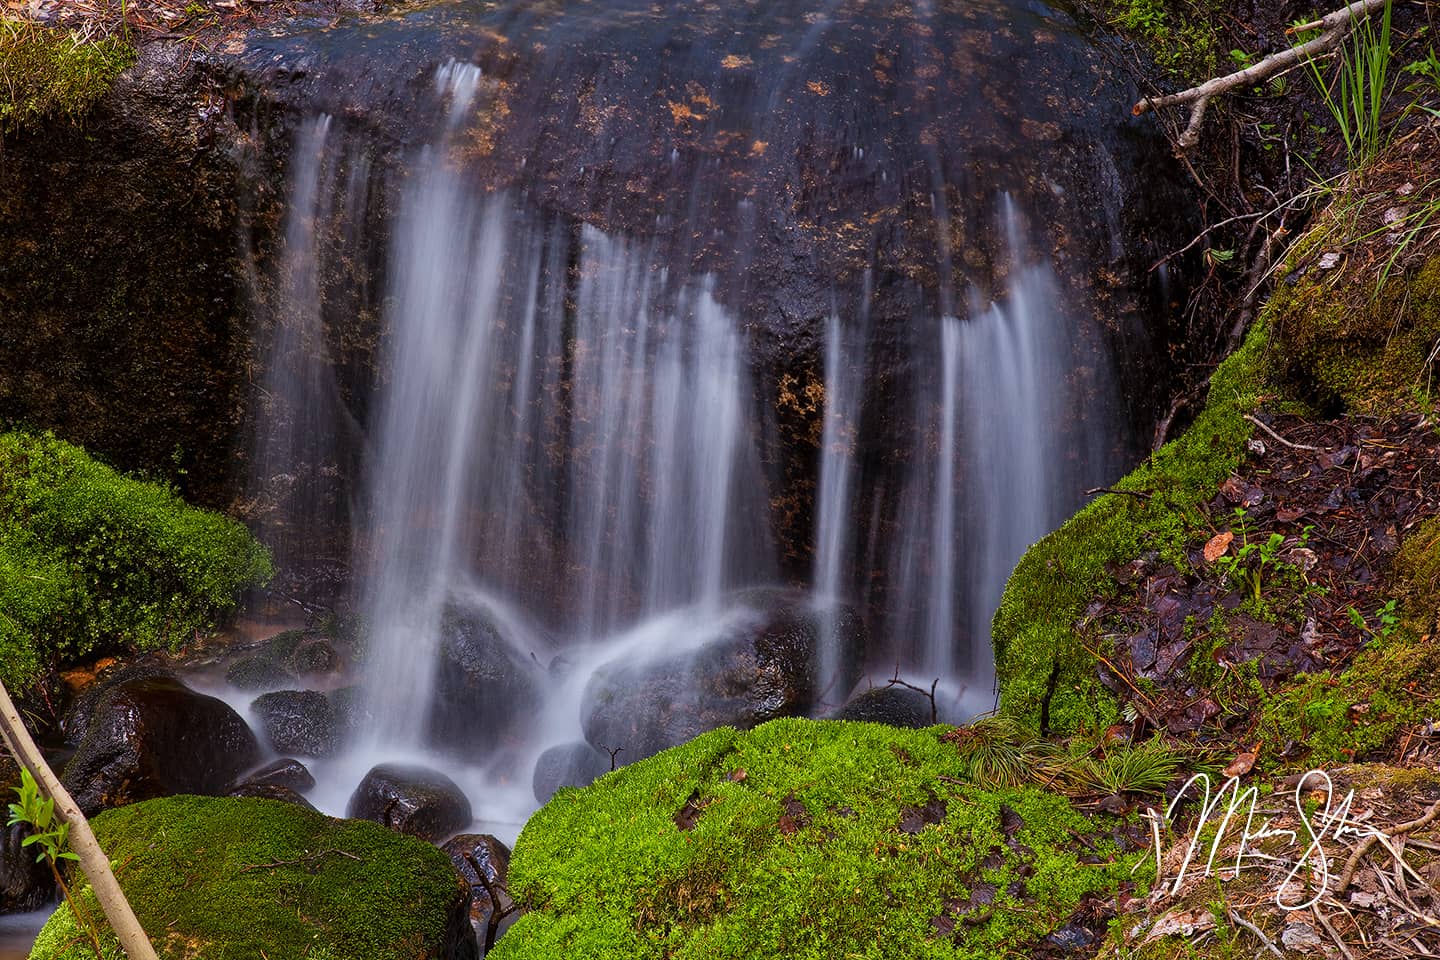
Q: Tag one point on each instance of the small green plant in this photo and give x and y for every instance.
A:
(52, 836)
(1255, 561)
(1356, 95)
(1387, 619)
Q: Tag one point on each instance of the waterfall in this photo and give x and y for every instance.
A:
(621, 382)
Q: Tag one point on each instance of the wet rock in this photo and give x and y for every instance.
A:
(350, 709)
(895, 706)
(284, 772)
(411, 799)
(24, 884)
(315, 657)
(481, 685)
(762, 666)
(484, 863)
(568, 765)
(258, 673)
(272, 791)
(76, 721)
(153, 737)
(298, 721)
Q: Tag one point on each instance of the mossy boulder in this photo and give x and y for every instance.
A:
(1048, 678)
(804, 839)
(222, 877)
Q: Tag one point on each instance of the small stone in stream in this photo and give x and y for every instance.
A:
(298, 721)
(411, 799)
(483, 862)
(258, 673)
(272, 791)
(284, 772)
(893, 706)
(567, 765)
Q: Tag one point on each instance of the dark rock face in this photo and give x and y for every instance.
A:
(567, 765)
(894, 706)
(24, 884)
(144, 365)
(765, 668)
(480, 684)
(298, 721)
(154, 737)
(411, 799)
(284, 772)
(483, 862)
(76, 722)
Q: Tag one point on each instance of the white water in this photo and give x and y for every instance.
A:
(566, 439)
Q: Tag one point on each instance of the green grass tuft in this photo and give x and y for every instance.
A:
(49, 73)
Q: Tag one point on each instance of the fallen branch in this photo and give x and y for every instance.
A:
(93, 862)
(1348, 873)
(1334, 27)
(1276, 437)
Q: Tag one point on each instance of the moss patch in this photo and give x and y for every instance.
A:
(47, 73)
(1047, 676)
(804, 839)
(91, 560)
(1182, 35)
(226, 879)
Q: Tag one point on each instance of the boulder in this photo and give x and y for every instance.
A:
(567, 765)
(483, 862)
(285, 772)
(258, 673)
(895, 706)
(298, 721)
(212, 877)
(314, 657)
(76, 722)
(411, 799)
(481, 685)
(764, 668)
(152, 736)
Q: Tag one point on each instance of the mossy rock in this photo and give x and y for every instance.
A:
(1353, 343)
(1048, 678)
(803, 839)
(243, 878)
(47, 73)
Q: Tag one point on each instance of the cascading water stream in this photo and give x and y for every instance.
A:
(592, 439)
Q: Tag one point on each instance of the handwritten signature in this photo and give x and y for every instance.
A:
(1310, 873)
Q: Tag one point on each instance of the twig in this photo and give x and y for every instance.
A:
(1236, 918)
(613, 754)
(1335, 25)
(1348, 873)
(1277, 438)
(309, 858)
(1330, 929)
(895, 681)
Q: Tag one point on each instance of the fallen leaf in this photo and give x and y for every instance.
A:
(1218, 544)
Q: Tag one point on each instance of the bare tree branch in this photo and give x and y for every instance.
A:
(1334, 27)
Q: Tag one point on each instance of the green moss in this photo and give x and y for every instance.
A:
(48, 73)
(231, 879)
(1041, 661)
(91, 560)
(797, 851)
(1182, 35)
(1390, 685)
(1348, 344)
